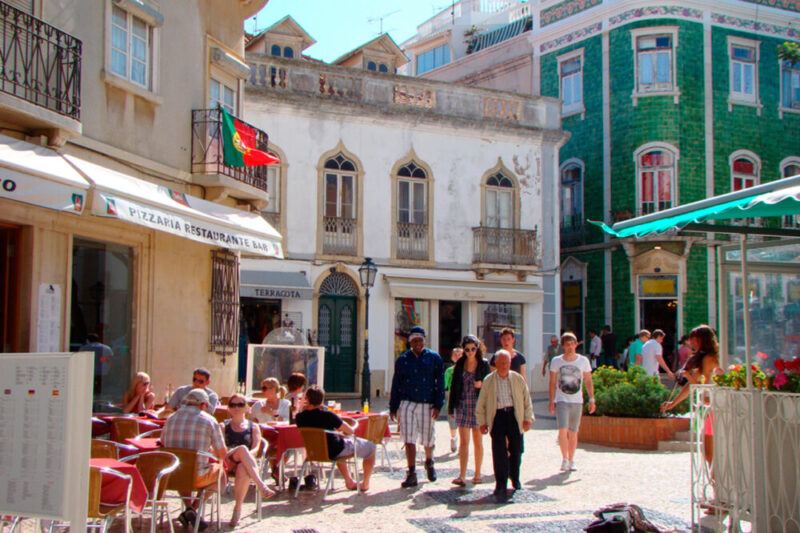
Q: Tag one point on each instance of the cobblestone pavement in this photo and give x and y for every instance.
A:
(550, 501)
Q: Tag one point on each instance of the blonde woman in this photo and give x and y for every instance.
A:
(242, 437)
(272, 408)
(139, 397)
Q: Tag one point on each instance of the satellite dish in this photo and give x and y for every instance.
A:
(291, 336)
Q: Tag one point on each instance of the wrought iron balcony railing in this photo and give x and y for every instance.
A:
(208, 155)
(412, 241)
(39, 63)
(339, 235)
(503, 246)
(573, 231)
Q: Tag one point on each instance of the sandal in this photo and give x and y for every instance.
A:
(458, 481)
(477, 480)
(235, 517)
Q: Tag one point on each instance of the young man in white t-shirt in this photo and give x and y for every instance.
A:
(568, 373)
(653, 355)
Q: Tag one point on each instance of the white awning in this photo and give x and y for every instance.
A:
(125, 197)
(465, 290)
(37, 175)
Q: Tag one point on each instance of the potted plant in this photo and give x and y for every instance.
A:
(470, 35)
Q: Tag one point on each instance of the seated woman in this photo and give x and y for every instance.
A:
(140, 396)
(242, 437)
(272, 408)
(296, 384)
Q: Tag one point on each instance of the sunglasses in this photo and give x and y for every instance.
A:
(198, 380)
(236, 404)
(146, 383)
(263, 389)
(473, 349)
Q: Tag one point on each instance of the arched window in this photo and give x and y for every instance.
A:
(383, 68)
(744, 172)
(372, 66)
(288, 52)
(499, 206)
(275, 50)
(340, 225)
(412, 238)
(656, 166)
(572, 195)
(790, 167)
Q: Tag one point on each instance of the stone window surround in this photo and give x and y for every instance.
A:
(636, 33)
(734, 99)
(746, 154)
(505, 171)
(573, 161)
(675, 158)
(563, 58)
(792, 221)
(154, 20)
(409, 158)
(357, 203)
(781, 108)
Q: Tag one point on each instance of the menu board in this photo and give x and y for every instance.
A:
(45, 412)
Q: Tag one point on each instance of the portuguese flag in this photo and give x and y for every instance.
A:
(239, 143)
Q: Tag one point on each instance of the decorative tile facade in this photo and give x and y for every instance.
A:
(565, 9)
(754, 25)
(570, 37)
(791, 5)
(656, 11)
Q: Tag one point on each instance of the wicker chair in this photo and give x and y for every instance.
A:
(155, 469)
(184, 480)
(108, 449)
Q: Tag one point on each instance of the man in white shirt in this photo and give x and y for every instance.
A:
(652, 355)
(595, 347)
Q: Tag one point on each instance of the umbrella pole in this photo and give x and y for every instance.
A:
(746, 313)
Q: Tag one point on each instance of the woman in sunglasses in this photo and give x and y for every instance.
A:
(242, 437)
(272, 408)
(468, 375)
(140, 396)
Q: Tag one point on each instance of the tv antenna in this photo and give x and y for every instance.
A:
(381, 18)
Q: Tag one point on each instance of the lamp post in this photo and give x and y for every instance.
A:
(366, 272)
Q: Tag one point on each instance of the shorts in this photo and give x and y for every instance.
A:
(364, 449)
(568, 415)
(416, 424)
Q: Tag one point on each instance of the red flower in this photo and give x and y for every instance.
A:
(780, 380)
(734, 368)
(780, 365)
(761, 355)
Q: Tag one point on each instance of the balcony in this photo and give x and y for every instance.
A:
(412, 241)
(515, 248)
(209, 168)
(339, 236)
(40, 76)
(573, 231)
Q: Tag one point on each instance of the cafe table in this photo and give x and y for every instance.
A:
(145, 444)
(114, 489)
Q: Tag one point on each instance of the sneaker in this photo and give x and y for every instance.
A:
(293, 481)
(410, 481)
(572, 467)
(565, 465)
(310, 483)
(430, 470)
(453, 445)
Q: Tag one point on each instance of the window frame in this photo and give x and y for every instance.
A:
(500, 168)
(782, 108)
(224, 83)
(417, 56)
(358, 193)
(655, 31)
(279, 196)
(566, 165)
(789, 221)
(574, 108)
(637, 155)
(745, 154)
(737, 97)
(152, 25)
(427, 181)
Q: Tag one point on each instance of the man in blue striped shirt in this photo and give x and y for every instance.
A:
(417, 397)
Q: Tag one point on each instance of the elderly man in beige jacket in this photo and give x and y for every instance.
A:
(504, 408)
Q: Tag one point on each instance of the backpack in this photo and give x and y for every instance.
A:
(621, 518)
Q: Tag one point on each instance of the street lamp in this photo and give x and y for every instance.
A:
(366, 272)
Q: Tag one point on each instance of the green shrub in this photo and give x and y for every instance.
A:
(629, 394)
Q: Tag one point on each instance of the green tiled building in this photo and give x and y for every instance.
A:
(667, 103)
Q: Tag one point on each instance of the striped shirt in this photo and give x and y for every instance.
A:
(190, 428)
(504, 398)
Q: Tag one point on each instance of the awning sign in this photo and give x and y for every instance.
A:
(38, 191)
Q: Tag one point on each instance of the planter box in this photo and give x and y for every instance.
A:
(632, 433)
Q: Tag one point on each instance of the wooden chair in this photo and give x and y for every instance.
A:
(376, 433)
(184, 480)
(101, 513)
(108, 449)
(155, 469)
(316, 443)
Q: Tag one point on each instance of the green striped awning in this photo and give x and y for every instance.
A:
(503, 33)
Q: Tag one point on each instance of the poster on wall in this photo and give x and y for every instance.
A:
(45, 412)
(48, 328)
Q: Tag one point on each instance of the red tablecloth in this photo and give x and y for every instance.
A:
(288, 437)
(144, 445)
(114, 489)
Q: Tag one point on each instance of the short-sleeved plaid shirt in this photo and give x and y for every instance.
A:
(190, 428)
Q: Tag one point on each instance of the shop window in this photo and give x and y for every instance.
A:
(493, 317)
(408, 312)
(224, 302)
(101, 309)
(656, 177)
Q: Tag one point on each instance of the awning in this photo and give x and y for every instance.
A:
(271, 284)
(466, 290)
(777, 198)
(125, 197)
(39, 176)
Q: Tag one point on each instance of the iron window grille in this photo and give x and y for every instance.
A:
(224, 302)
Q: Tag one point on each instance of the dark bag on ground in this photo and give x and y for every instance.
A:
(621, 518)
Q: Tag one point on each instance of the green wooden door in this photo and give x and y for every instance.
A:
(337, 333)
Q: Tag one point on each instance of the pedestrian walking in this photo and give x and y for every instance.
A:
(416, 399)
(652, 355)
(508, 337)
(550, 353)
(595, 347)
(504, 410)
(568, 374)
(635, 350)
(609, 342)
(468, 377)
(455, 355)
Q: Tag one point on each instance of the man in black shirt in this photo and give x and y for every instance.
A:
(609, 341)
(314, 416)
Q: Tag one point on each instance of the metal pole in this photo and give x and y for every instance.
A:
(746, 313)
(365, 374)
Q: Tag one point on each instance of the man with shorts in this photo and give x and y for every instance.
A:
(314, 416)
(568, 373)
(417, 397)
